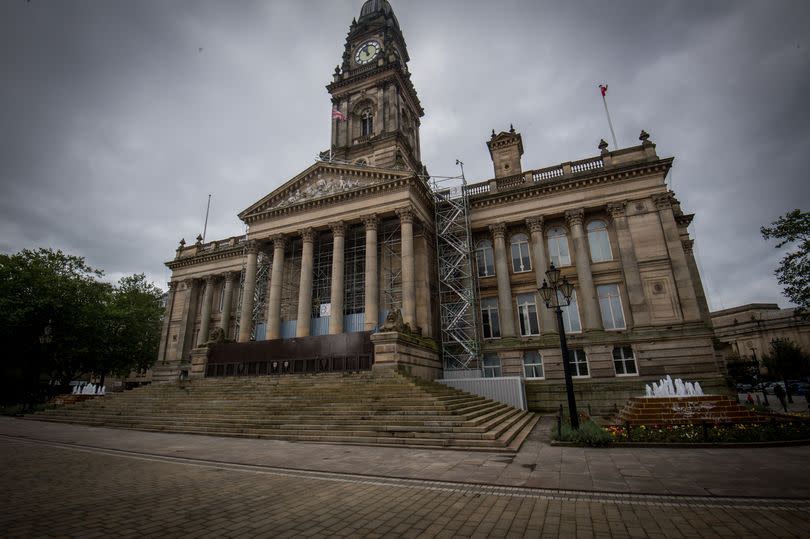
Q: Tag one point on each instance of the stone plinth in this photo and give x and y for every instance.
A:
(406, 353)
(199, 359)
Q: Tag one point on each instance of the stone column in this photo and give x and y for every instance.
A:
(408, 267)
(305, 287)
(205, 316)
(227, 303)
(505, 310)
(246, 315)
(273, 330)
(372, 307)
(535, 225)
(586, 295)
(677, 257)
(703, 305)
(187, 320)
(639, 313)
(167, 321)
(336, 290)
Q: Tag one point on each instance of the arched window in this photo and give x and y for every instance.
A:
(599, 241)
(361, 163)
(558, 247)
(484, 258)
(521, 261)
(366, 123)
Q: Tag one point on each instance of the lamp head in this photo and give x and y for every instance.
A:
(553, 275)
(567, 290)
(546, 292)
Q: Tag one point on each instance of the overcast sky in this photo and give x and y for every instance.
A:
(118, 117)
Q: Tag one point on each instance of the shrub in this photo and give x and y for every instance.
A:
(589, 434)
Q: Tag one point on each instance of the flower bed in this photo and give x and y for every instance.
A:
(712, 432)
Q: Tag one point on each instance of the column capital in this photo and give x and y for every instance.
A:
(308, 235)
(229, 275)
(173, 285)
(252, 247)
(338, 228)
(688, 245)
(210, 278)
(616, 209)
(575, 217)
(405, 215)
(535, 224)
(279, 241)
(189, 282)
(372, 221)
(498, 230)
(662, 201)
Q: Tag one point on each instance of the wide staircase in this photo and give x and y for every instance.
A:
(683, 410)
(367, 408)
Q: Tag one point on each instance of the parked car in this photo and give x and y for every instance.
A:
(800, 389)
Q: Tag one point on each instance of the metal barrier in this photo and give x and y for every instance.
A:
(506, 389)
(312, 365)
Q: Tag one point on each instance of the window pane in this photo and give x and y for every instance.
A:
(599, 241)
(532, 365)
(570, 313)
(618, 315)
(516, 258)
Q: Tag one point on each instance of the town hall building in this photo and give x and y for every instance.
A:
(364, 242)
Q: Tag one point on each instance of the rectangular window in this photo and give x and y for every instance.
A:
(221, 297)
(532, 365)
(610, 303)
(521, 261)
(484, 261)
(570, 313)
(527, 314)
(492, 366)
(489, 318)
(625, 361)
(579, 363)
(558, 251)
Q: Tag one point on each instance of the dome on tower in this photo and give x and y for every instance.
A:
(378, 7)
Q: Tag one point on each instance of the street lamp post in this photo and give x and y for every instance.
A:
(556, 294)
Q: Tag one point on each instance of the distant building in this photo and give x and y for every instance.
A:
(352, 239)
(749, 329)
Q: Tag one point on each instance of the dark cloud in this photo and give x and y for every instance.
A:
(119, 117)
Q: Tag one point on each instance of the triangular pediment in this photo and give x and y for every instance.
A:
(322, 180)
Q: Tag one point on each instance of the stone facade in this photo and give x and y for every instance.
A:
(352, 238)
(748, 330)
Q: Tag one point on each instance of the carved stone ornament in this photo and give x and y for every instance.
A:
(395, 322)
(210, 279)
(318, 188)
(308, 235)
(173, 286)
(229, 276)
(535, 224)
(216, 336)
(688, 246)
(405, 215)
(616, 210)
(498, 230)
(371, 221)
(338, 229)
(662, 201)
(251, 247)
(575, 217)
(279, 241)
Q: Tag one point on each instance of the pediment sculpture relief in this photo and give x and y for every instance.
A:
(318, 188)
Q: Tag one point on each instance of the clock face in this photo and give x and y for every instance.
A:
(366, 52)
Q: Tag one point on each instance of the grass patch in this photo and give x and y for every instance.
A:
(589, 434)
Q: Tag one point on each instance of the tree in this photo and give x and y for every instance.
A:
(59, 320)
(132, 329)
(742, 370)
(786, 360)
(793, 272)
(51, 307)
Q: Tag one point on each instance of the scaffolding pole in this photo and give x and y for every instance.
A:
(458, 282)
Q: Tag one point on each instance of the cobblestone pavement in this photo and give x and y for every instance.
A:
(61, 490)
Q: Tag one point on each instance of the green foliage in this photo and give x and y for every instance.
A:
(589, 434)
(786, 360)
(58, 320)
(742, 370)
(793, 272)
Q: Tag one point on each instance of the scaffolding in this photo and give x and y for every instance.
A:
(458, 282)
(263, 270)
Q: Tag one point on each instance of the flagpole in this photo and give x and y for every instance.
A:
(607, 113)
(207, 208)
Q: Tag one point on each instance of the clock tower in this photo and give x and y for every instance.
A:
(380, 113)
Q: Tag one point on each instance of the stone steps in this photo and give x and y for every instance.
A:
(391, 409)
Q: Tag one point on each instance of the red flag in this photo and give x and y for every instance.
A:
(603, 89)
(337, 115)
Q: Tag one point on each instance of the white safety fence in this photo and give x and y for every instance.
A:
(506, 389)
